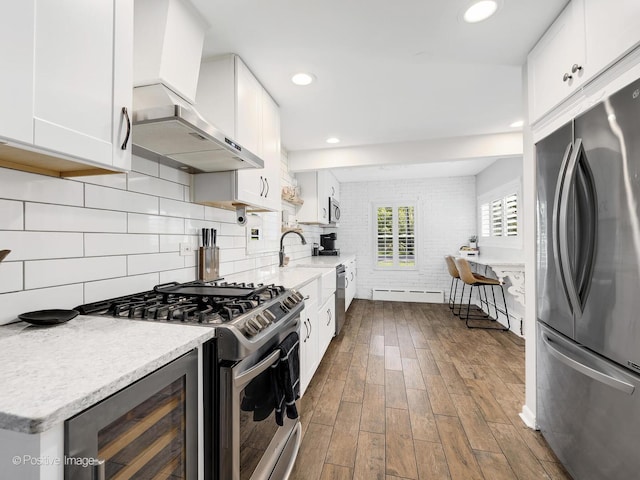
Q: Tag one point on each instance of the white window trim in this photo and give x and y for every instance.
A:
(374, 234)
(500, 192)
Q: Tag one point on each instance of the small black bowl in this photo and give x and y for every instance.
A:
(48, 317)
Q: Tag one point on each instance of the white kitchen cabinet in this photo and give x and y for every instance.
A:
(326, 324)
(309, 335)
(611, 30)
(316, 188)
(551, 72)
(67, 89)
(586, 38)
(231, 98)
(351, 282)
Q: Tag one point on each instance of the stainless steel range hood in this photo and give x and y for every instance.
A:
(169, 129)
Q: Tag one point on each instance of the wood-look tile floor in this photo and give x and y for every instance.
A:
(406, 391)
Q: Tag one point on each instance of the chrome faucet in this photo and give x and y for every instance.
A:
(304, 242)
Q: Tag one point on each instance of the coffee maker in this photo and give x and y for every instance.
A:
(328, 242)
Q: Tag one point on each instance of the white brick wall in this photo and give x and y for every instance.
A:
(445, 217)
(87, 239)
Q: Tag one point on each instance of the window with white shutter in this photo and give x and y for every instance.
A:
(499, 216)
(395, 236)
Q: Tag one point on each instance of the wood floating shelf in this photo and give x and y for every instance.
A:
(293, 200)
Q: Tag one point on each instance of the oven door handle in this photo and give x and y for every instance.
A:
(243, 379)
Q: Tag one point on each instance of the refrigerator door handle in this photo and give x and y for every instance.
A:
(557, 227)
(563, 237)
(588, 230)
(566, 358)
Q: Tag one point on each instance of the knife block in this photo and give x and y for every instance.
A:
(208, 263)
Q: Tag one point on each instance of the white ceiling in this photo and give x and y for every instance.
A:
(452, 168)
(387, 71)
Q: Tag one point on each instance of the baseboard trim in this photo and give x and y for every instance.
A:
(528, 417)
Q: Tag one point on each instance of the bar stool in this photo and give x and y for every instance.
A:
(475, 280)
(455, 279)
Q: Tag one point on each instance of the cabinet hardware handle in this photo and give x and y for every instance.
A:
(328, 316)
(575, 68)
(267, 191)
(352, 276)
(307, 327)
(566, 77)
(125, 112)
(307, 297)
(346, 282)
(333, 191)
(324, 213)
(261, 185)
(310, 327)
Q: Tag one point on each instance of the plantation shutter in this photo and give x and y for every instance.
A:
(496, 218)
(385, 236)
(511, 215)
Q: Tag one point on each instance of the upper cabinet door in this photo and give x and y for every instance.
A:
(611, 30)
(73, 82)
(556, 66)
(270, 151)
(16, 81)
(248, 108)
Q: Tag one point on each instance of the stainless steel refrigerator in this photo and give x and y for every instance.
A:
(588, 299)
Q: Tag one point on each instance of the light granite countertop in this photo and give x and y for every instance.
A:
(50, 374)
(327, 261)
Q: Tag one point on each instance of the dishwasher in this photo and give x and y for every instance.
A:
(341, 285)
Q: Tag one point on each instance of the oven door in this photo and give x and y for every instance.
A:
(252, 445)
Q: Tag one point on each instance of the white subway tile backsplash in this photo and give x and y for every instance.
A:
(232, 230)
(46, 273)
(93, 238)
(175, 175)
(73, 219)
(41, 245)
(17, 185)
(174, 208)
(11, 215)
(171, 243)
(194, 227)
(219, 215)
(13, 304)
(102, 244)
(113, 199)
(138, 223)
(143, 165)
(10, 276)
(154, 262)
(117, 287)
(191, 260)
(181, 276)
(113, 180)
(155, 186)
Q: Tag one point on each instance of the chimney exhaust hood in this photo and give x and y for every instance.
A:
(169, 129)
(168, 40)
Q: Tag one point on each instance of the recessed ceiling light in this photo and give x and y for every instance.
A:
(303, 79)
(517, 124)
(480, 11)
(333, 140)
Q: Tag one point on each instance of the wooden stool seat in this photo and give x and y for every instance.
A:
(476, 280)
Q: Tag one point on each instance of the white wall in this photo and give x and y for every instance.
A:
(82, 240)
(446, 219)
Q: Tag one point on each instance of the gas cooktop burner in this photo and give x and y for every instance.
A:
(194, 302)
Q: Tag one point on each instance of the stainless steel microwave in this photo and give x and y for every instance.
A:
(334, 210)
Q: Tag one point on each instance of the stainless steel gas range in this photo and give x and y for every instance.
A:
(243, 439)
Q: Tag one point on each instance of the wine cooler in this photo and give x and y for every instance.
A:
(146, 431)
